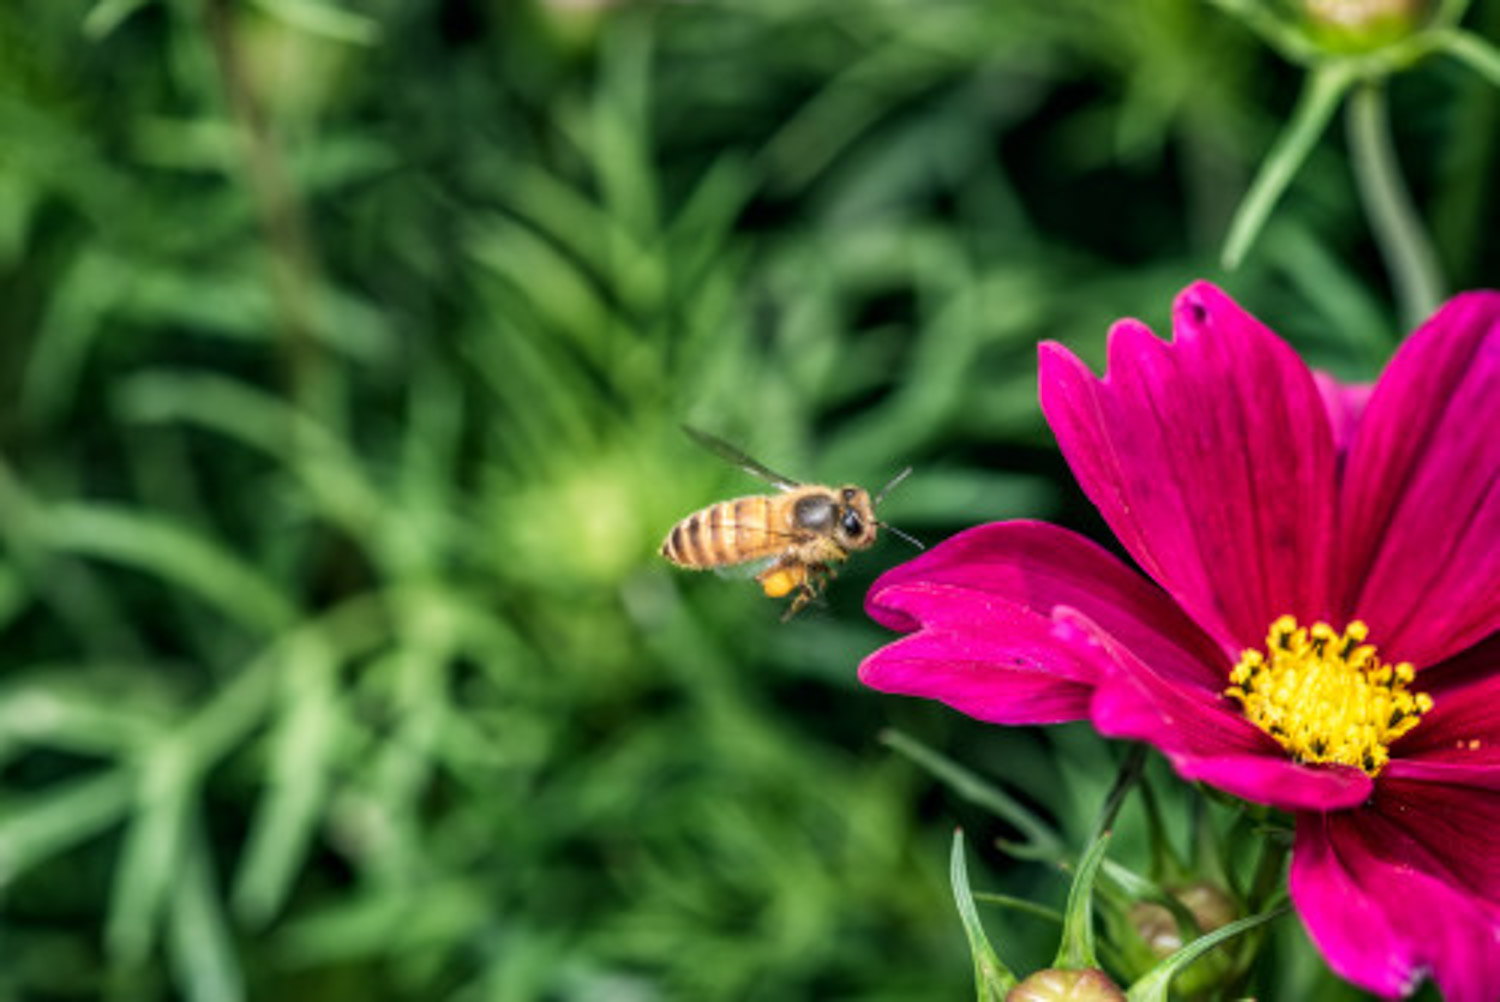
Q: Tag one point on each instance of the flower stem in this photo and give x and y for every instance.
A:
(293, 270)
(1404, 244)
(1325, 86)
(1269, 870)
(1266, 890)
(1482, 57)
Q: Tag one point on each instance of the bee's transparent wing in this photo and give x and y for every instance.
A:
(747, 570)
(730, 454)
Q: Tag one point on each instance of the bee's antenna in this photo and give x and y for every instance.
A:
(891, 484)
(906, 536)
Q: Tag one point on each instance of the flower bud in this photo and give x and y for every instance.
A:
(1158, 936)
(1347, 26)
(1055, 985)
(1157, 928)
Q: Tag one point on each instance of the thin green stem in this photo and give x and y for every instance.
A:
(1325, 86)
(1467, 47)
(1268, 870)
(1125, 781)
(1450, 12)
(1154, 987)
(1266, 888)
(1404, 243)
(1273, 30)
(1041, 841)
(293, 266)
(1023, 905)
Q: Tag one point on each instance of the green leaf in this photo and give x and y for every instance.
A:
(20, 199)
(100, 710)
(1041, 841)
(157, 545)
(333, 23)
(70, 587)
(14, 593)
(1352, 320)
(199, 942)
(287, 816)
(323, 463)
(41, 826)
(383, 923)
(107, 15)
(74, 321)
(1125, 780)
(147, 868)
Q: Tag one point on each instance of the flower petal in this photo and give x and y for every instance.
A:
(1405, 887)
(1420, 543)
(1212, 460)
(1346, 405)
(1026, 678)
(1462, 730)
(1205, 737)
(988, 646)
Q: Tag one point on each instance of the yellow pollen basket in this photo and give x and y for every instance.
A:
(1326, 697)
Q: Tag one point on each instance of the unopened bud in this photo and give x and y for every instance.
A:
(1210, 907)
(1157, 934)
(1362, 25)
(1054, 985)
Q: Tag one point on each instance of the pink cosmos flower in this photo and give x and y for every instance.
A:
(1317, 629)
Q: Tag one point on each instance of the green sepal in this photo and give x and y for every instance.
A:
(1076, 951)
(992, 979)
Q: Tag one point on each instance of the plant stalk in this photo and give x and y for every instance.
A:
(293, 270)
(1404, 244)
(1325, 87)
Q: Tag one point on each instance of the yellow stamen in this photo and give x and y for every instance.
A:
(1326, 697)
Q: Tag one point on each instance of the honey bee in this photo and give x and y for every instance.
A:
(801, 532)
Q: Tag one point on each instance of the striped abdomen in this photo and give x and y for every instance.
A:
(730, 532)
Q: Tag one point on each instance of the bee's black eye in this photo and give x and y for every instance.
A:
(851, 523)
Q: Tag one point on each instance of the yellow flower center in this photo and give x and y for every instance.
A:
(1326, 697)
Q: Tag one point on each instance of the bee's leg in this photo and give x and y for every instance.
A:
(812, 585)
(805, 594)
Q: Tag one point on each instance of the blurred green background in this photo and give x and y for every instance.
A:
(344, 353)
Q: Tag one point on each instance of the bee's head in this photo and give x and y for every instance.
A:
(856, 525)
